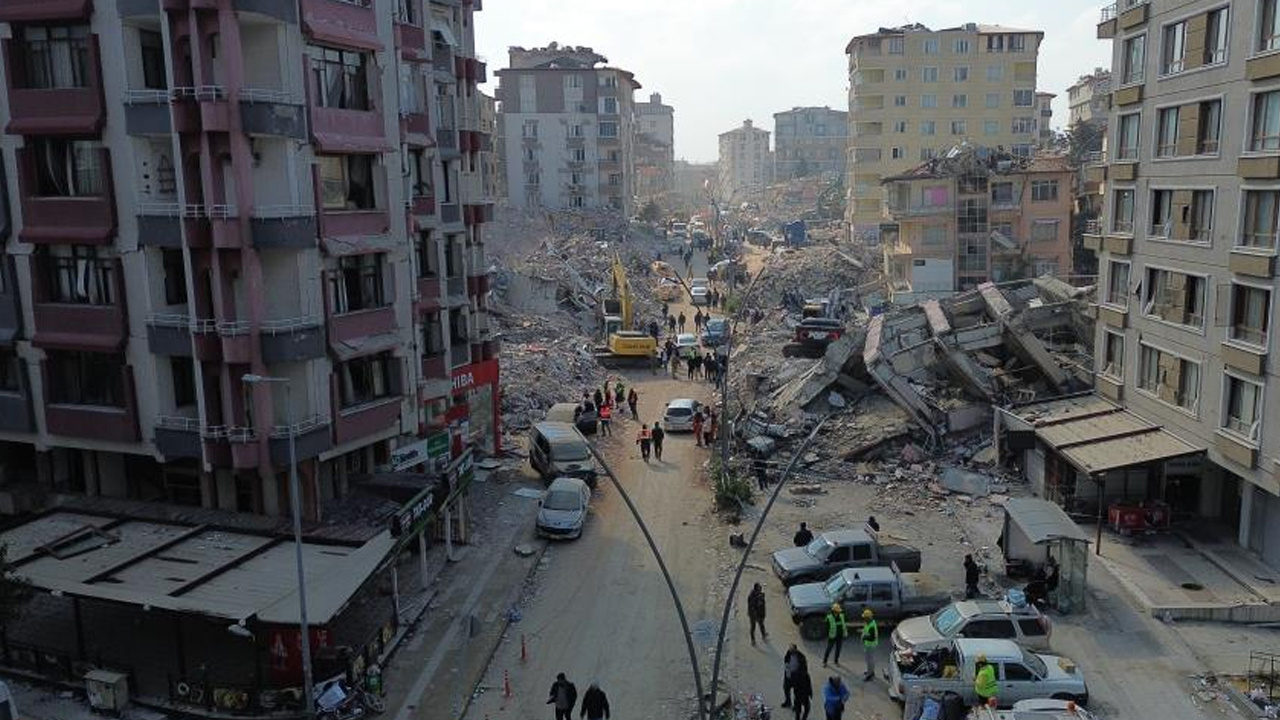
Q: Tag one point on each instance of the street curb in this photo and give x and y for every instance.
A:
(506, 626)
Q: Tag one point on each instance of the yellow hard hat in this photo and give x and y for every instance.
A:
(867, 613)
(836, 608)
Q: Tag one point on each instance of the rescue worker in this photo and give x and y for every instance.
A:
(643, 439)
(984, 682)
(606, 414)
(837, 631)
(870, 640)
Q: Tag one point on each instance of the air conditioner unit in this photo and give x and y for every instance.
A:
(107, 690)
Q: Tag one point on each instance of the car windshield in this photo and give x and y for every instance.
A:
(679, 411)
(947, 620)
(836, 586)
(570, 451)
(561, 500)
(819, 548)
(1033, 661)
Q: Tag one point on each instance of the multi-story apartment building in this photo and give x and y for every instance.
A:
(655, 148)
(1044, 117)
(809, 141)
(1187, 249)
(209, 191)
(973, 216)
(494, 186)
(914, 92)
(568, 123)
(746, 164)
(1089, 97)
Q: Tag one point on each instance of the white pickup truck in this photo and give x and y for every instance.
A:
(1020, 673)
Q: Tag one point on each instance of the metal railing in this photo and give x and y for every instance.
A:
(1249, 334)
(170, 320)
(154, 209)
(146, 96)
(1093, 226)
(302, 427)
(1095, 157)
(287, 325)
(277, 212)
(222, 212)
(178, 422)
(265, 95)
(1109, 13)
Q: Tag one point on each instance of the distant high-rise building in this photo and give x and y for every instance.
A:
(655, 148)
(746, 164)
(568, 128)
(915, 92)
(809, 140)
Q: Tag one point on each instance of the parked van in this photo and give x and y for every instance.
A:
(562, 511)
(557, 449)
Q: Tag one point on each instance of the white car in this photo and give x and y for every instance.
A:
(679, 414)
(699, 295)
(562, 510)
(687, 345)
(699, 283)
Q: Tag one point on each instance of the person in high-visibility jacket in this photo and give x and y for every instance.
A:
(984, 682)
(870, 640)
(837, 631)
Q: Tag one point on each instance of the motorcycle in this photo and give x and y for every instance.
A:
(336, 701)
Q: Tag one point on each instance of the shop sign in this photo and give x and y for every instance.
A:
(424, 450)
(409, 519)
(469, 376)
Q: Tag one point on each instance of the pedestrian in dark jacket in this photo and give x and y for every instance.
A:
(599, 398)
(873, 523)
(658, 435)
(793, 663)
(680, 321)
(595, 705)
(563, 696)
(671, 324)
(803, 536)
(755, 612)
(632, 400)
(802, 690)
(971, 575)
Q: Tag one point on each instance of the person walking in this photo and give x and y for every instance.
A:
(870, 641)
(1051, 579)
(834, 696)
(608, 395)
(709, 434)
(658, 435)
(697, 321)
(664, 311)
(837, 631)
(803, 536)
(697, 428)
(563, 696)
(595, 704)
(695, 364)
(618, 395)
(793, 661)
(632, 400)
(984, 682)
(671, 324)
(680, 321)
(762, 478)
(755, 613)
(643, 439)
(605, 414)
(599, 398)
(971, 575)
(802, 690)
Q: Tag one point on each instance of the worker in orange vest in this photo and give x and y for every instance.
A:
(644, 440)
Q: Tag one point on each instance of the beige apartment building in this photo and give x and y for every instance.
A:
(655, 148)
(914, 92)
(746, 164)
(1187, 247)
(1089, 98)
(809, 141)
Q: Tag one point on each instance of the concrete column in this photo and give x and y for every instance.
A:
(1246, 513)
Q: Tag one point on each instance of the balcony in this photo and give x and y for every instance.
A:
(348, 23)
(146, 112)
(450, 213)
(160, 224)
(866, 155)
(311, 437)
(284, 227)
(72, 326)
(355, 329)
(364, 420)
(411, 40)
(285, 12)
(88, 220)
(231, 446)
(18, 11)
(224, 227)
(178, 438)
(337, 130)
(56, 111)
(915, 210)
(435, 366)
(169, 335)
(442, 59)
(273, 113)
(345, 231)
(292, 340)
(422, 205)
(455, 289)
(10, 298)
(416, 123)
(94, 422)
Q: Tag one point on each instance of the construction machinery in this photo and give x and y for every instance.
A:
(624, 346)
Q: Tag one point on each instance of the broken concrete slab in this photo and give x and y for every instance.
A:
(966, 482)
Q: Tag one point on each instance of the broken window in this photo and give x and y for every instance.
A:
(1117, 284)
(1175, 297)
(346, 182)
(1002, 193)
(366, 379)
(1171, 378)
(340, 78)
(1113, 355)
(357, 283)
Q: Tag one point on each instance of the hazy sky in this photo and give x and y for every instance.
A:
(721, 61)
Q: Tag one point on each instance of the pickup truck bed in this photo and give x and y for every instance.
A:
(906, 558)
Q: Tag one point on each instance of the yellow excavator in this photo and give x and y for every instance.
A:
(624, 346)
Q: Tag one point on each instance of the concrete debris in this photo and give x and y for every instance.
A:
(959, 480)
(525, 550)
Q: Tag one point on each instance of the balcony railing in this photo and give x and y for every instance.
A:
(1093, 226)
(1109, 13)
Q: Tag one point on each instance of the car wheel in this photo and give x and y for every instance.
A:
(813, 627)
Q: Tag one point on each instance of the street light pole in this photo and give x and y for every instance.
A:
(295, 507)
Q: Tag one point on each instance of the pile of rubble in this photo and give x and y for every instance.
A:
(813, 271)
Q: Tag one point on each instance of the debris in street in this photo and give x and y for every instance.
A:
(525, 550)
(531, 493)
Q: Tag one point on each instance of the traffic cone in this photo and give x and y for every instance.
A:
(524, 649)
(506, 684)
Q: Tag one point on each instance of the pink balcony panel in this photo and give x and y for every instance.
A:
(112, 424)
(364, 420)
(354, 224)
(90, 328)
(16, 11)
(411, 40)
(416, 124)
(423, 205)
(59, 111)
(199, 232)
(335, 130)
(85, 220)
(218, 452)
(237, 348)
(429, 289)
(186, 115)
(350, 327)
(226, 233)
(215, 115)
(459, 67)
(342, 23)
(245, 455)
(434, 367)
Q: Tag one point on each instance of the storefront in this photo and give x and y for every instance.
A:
(475, 388)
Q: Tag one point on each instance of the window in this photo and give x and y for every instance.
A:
(533, 178)
(10, 369)
(990, 127)
(995, 43)
(1261, 208)
(573, 81)
(609, 105)
(608, 129)
(928, 101)
(175, 276)
(182, 372)
(529, 129)
(929, 75)
(1265, 134)
(1209, 127)
(995, 73)
(1250, 314)
(1122, 211)
(930, 46)
(1044, 231)
(897, 153)
(609, 80)
(1017, 672)
(1243, 412)
(928, 127)
(76, 274)
(341, 78)
(993, 100)
(973, 255)
(935, 235)
(896, 46)
(53, 57)
(1215, 37)
(151, 52)
(1175, 297)
(1173, 48)
(85, 378)
(1161, 213)
(1113, 355)
(577, 154)
(356, 284)
(615, 179)
(1133, 67)
(1197, 217)
(1023, 125)
(961, 46)
(1024, 98)
(1044, 190)
(899, 100)
(67, 168)
(1017, 43)
(1117, 284)
(1005, 229)
(882, 592)
(1127, 140)
(426, 251)
(346, 182)
(959, 101)
(1167, 132)
(419, 172)
(958, 127)
(1268, 26)
(575, 178)
(960, 74)
(407, 12)
(365, 379)
(900, 74)
(928, 153)
(432, 334)
(899, 126)
(1173, 379)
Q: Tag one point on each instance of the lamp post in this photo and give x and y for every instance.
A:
(295, 508)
